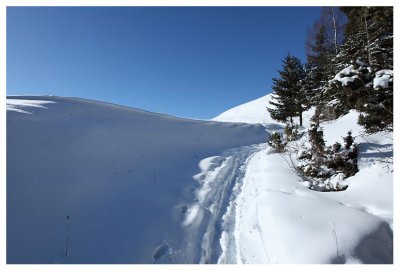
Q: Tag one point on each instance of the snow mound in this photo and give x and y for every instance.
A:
(251, 112)
(117, 183)
(256, 112)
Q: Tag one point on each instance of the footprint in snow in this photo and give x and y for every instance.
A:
(161, 250)
(184, 209)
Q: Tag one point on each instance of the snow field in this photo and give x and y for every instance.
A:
(123, 176)
(140, 187)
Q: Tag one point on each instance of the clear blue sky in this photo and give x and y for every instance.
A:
(189, 62)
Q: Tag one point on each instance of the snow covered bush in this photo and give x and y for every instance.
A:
(316, 137)
(336, 147)
(275, 141)
(325, 166)
(292, 132)
(343, 161)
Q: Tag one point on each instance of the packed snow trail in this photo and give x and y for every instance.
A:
(219, 180)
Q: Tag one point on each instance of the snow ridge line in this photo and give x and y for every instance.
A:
(225, 180)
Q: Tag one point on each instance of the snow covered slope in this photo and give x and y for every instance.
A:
(275, 218)
(251, 112)
(256, 112)
(91, 182)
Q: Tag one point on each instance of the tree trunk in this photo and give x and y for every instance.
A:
(291, 119)
(368, 44)
(335, 30)
(301, 118)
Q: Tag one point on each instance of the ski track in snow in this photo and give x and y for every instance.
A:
(220, 180)
(238, 235)
(219, 198)
(226, 238)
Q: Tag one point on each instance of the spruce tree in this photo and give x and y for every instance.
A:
(319, 67)
(355, 38)
(366, 82)
(379, 22)
(288, 94)
(368, 37)
(376, 105)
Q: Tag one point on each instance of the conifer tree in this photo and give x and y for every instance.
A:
(288, 93)
(320, 67)
(366, 82)
(368, 37)
(334, 20)
(381, 37)
(376, 105)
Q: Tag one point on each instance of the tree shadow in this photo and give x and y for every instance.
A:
(274, 127)
(373, 150)
(376, 247)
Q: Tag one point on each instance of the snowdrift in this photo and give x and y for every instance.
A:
(92, 182)
(255, 111)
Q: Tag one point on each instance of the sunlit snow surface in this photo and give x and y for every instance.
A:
(140, 187)
(276, 219)
(256, 112)
(26, 106)
(123, 176)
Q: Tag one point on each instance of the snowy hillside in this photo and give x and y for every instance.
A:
(91, 182)
(256, 112)
(275, 218)
(251, 112)
(124, 177)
